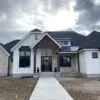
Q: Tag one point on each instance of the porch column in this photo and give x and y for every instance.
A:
(58, 62)
(78, 62)
(32, 59)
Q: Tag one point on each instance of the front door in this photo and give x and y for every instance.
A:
(46, 63)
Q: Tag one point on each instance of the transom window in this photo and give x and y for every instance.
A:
(65, 61)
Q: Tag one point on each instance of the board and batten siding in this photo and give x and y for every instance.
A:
(3, 63)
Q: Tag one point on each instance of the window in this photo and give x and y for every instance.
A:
(65, 61)
(94, 54)
(36, 36)
(65, 43)
(24, 59)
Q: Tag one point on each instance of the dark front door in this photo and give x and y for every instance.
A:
(46, 63)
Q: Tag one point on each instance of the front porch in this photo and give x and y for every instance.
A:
(43, 56)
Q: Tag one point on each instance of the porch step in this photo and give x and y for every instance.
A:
(46, 74)
(71, 74)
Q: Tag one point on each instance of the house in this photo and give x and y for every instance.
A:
(4, 56)
(62, 51)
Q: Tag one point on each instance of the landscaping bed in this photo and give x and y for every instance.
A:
(16, 88)
(81, 88)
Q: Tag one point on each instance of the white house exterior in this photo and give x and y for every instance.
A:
(64, 52)
(4, 57)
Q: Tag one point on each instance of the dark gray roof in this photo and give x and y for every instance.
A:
(76, 38)
(10, 45)
(93, 40)
(90, 41)
(24, 48)
(36, 30)
(4, 47)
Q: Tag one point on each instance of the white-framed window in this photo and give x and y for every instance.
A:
(65, 43)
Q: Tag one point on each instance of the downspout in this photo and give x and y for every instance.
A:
(78, 62)
(8, 66)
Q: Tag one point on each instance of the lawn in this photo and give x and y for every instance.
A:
(81, 88)
(16, 88)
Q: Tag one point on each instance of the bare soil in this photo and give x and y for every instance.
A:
(81, 88)
(16, 88)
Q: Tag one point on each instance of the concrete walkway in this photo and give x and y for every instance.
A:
(48, 88)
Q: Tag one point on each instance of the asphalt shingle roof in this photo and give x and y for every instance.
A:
(24, 48)
(10, 45)
(90, 41)
(76, 38)
(36, 30)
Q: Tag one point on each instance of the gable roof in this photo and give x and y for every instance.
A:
(76, 38)
(4, 49)
(93, 40)
(88, 42)
(33, 31)
(36, 30)
(44, 35)
(10, 45)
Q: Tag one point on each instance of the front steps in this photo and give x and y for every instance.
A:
(70, 74)
(63, 74)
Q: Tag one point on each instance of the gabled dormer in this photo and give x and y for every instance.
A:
(64, 41)
(37, 33)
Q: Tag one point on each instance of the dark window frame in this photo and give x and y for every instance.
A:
(25, 60)
(94, 55)
(62, 62)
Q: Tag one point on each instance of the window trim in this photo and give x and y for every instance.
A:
(69, 42)
(66, 63)
(94, 55)
(24, 57)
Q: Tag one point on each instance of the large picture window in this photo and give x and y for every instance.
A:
(24, 60)
(65, 61)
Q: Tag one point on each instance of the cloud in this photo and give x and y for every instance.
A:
(18, 17)
(89, 14)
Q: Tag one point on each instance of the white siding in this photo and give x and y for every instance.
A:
(3, 63)
(38, 59)
(93, 64)
(28, 41)
(16, 71)
(89, 66)
(82, 62)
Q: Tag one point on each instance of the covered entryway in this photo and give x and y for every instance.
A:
(46, 54)
(46, 63)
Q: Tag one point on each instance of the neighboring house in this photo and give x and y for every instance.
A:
(4, 57)
(67, 51)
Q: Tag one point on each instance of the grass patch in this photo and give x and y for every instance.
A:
(16, 88)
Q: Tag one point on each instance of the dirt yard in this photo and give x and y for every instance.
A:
(16, 88)
(81, 88)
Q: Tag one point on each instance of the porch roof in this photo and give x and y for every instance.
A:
(46, 34)
(70, 49)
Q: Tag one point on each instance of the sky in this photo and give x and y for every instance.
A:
(19, 17)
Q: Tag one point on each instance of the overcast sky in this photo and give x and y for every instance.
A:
(18, 17)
